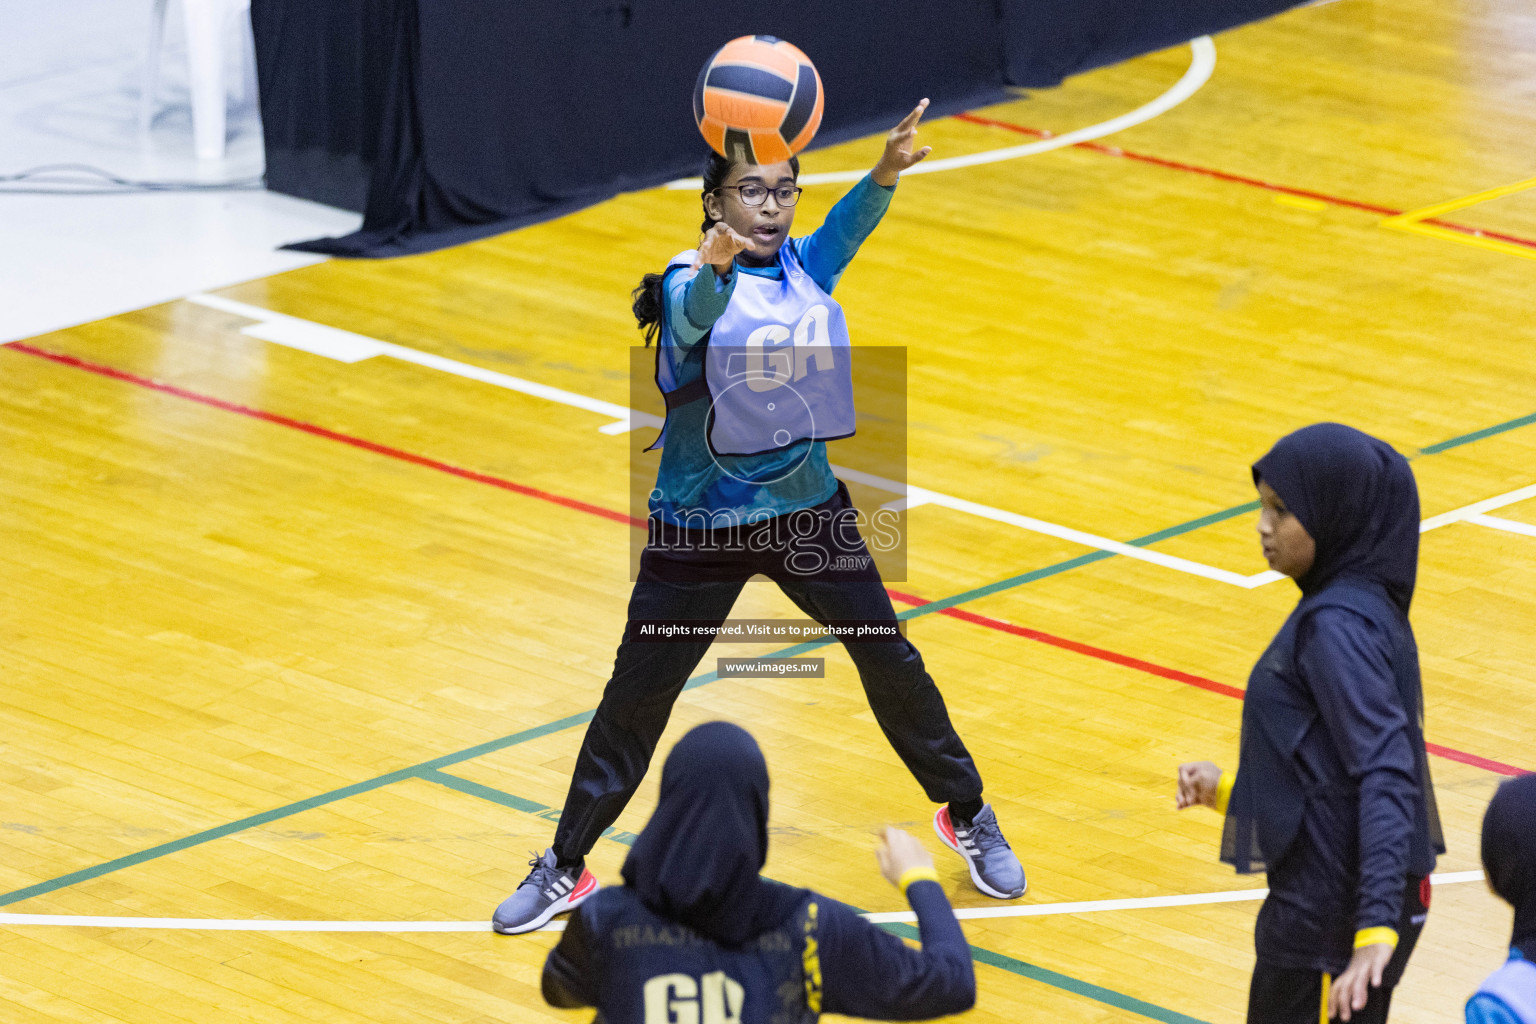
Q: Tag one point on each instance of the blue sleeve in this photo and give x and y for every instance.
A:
(1346, 662)
(1485, 1009)
(826, 252)
(695, 300)
(868, 972)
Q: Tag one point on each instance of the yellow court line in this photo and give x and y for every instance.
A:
(1451, 205)
(1491, 244)
(1412, 220)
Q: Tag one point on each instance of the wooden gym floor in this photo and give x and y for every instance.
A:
(297, 638)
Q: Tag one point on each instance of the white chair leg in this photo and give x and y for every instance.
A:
(250, 88)
(151, 77)
(205, 61)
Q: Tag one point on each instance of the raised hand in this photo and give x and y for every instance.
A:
(719, 247)
(899, 851)
(898, 155)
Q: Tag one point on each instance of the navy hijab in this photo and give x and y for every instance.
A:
(698, 858)
(1509, 855)
(1357, 498)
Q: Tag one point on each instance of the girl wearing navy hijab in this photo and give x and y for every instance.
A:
(696, 934)
(1332, 796)
(1509, 859)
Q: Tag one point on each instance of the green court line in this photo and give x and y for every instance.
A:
(495, 796)
(1182, 528)
(266, 817)
(198, 838)
(1072, 563)
(1196, 524)
(1478, 435)
(1077, 986)
(1008, 584)
(517, 803)
(1022, 968)
(256, 820)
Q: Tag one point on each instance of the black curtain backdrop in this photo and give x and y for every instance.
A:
(1051, 39)
(449, 120)
(322, 76)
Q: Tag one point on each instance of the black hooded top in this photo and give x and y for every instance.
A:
(1509, 856)
(695, 921)
(1333, 796)
(698, 858)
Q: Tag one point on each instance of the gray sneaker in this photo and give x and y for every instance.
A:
(546, 891)
(994, 867)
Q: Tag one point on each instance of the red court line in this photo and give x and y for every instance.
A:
(328, 434)
(1076, 647)
(1239, 179)
(1226, 690)
(582, 506)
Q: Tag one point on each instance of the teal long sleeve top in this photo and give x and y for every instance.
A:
(695, 487)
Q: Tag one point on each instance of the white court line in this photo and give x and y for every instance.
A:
(1142, 903)
(1507, 525)
(1477, 508)
(346, 347)
(1472, 513)
(214, 924)
(1202, 63)
(915, 496)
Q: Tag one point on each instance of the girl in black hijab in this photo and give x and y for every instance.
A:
(1332, 796)
(1509, 859)
(696, 933)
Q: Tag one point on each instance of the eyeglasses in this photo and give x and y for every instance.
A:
(757, 195)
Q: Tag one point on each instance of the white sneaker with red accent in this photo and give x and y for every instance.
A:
(994, 867)
(548, 890)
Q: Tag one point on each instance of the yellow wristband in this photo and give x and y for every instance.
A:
(1371, 936)
(1224, 790)
(917, 874)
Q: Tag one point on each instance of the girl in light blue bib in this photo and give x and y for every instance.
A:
(1509, 858)
(753, 358)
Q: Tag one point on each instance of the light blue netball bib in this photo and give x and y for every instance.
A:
(1514, 985)
(777, 365)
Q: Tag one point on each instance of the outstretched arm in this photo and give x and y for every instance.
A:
(868, 972)
(827, 252)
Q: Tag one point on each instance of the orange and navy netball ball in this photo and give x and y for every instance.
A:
(758, 100)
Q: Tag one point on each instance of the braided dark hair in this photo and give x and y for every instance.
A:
(648, 297)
